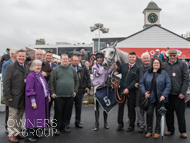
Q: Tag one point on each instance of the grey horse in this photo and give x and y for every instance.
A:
(114, 55)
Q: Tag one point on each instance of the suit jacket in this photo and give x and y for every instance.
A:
(139, 94)
(5, 66)
(129, 77)
(14, 85)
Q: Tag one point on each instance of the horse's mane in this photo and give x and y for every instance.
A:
(122, 57)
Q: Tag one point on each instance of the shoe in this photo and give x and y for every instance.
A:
(148, 135)
(57, 133)
(106, 126)
(20, 136)
(120, 127)
(95, 128)
(79, 125)
(65, 130)
(168, 133)
(156, 136)
(141, 130)
(67, 126)
(129, 129)
(183, 135)
(13, 139)
(30, 140)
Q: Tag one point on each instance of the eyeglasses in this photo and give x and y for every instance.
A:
(172, 55)
(156, 63)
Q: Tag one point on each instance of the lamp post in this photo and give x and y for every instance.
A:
(100, 27)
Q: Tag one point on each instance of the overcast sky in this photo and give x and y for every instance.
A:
(24, 21)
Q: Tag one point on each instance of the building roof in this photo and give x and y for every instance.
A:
(156, 26)
(152, 6)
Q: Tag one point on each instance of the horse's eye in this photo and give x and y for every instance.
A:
(112, 52)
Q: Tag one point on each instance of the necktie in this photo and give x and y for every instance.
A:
(22, 66)
(130, 66)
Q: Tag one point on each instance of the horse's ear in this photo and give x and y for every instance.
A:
(115, 44)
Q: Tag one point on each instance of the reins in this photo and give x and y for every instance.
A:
(117, 97)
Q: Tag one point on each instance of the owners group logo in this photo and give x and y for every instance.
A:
(36, 127)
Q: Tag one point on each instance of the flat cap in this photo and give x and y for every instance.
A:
(172, 51)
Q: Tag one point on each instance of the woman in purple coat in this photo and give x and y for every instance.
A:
(36, 101)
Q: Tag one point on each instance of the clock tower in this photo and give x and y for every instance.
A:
(151, 15)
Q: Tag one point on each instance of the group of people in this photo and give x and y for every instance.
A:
(163, 84)
(33, 87)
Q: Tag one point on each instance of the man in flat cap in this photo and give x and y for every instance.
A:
(179, 75)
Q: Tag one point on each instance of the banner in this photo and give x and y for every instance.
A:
(151, 51)
(106, 101)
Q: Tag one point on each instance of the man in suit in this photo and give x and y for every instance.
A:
(13, 53)
(130, 76)
(140, 113)
(84, 86)
(14, 89)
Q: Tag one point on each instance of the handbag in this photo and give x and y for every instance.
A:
(144, 103)
(144, 100)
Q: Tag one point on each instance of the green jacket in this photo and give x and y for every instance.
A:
(53, 80)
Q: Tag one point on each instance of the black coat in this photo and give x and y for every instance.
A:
(4, 58)
(129, 77)
(84, 79)
(139, 94)
(14, 85)
(180, 81)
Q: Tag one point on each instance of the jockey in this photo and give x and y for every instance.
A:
(99, 77)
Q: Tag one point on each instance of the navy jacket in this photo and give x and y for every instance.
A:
(129, 77)
(163, 85)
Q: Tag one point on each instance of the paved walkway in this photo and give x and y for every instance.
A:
(86, 135)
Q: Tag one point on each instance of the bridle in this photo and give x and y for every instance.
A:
(111, 60)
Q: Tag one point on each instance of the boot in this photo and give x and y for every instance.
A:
(105, 120)
(95, 128)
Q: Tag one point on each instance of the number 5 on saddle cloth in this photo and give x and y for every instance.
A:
(107, 101)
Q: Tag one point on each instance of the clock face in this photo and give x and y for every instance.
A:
(152, 17)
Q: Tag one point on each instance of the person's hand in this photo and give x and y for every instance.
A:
(53, 96)
(74, 94)
(147, 94)
(87, 90)
(10, 99)
(136, 85)
(44, 73)
(49, 99)
(181, 96)
(34, 106)
(126, 91)
(162, 98)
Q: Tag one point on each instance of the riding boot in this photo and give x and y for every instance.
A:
(105, 120)
(95, 128)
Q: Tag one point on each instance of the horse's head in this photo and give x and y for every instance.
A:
(110, 55)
